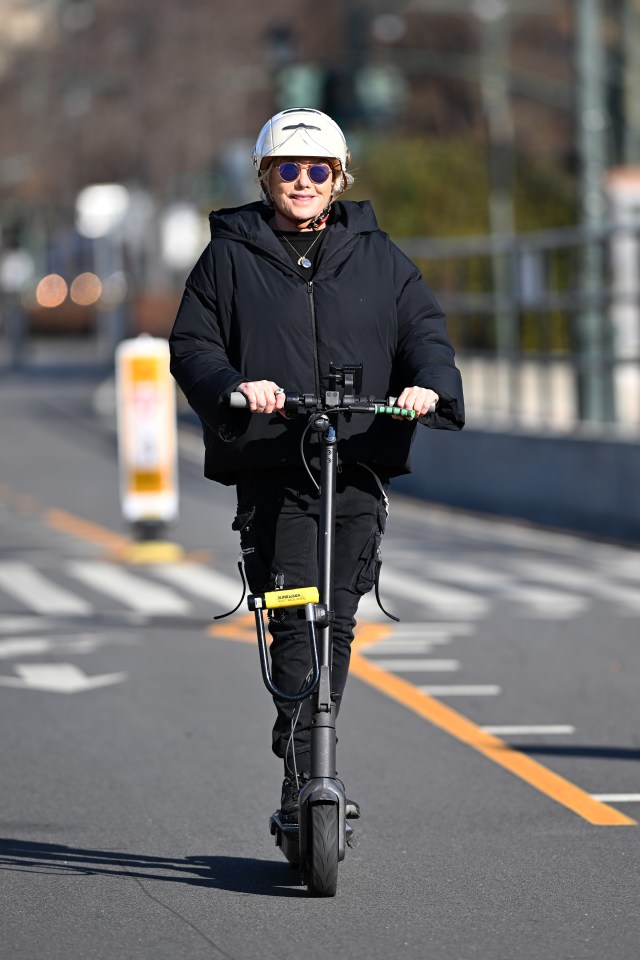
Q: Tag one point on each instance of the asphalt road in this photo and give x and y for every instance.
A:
(491, 738)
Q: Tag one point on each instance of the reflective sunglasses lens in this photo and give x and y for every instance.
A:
(319, 173)
(288, 172)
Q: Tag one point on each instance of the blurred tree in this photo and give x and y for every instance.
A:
(546, 195)
(439, 187)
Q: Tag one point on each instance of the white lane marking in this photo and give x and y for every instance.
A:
(556, 573)
(57, 678)
(541, 603)
(398, 646)
(492, 583)
(476, 577)
(131, 590)
(22, 624)
(81, 643)
(547, 604)
(38, 593)
(435, 596)
(201, 581)
(23, 646)
(369, 610)
(544, 729)
(419, 637)
(434, 631)
(617, 797)
(585, 580)
(460, 690)
(627, 566)
(418, 666)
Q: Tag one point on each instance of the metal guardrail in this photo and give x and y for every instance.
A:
(546, 324)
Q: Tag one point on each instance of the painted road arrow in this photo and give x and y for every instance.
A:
(57, 678)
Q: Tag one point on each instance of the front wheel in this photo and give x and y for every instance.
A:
(323, 850)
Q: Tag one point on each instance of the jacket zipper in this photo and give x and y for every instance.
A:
(312, 314)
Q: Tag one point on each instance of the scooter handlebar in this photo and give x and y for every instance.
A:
(238, 401)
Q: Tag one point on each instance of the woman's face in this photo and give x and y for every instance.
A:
(299, 200)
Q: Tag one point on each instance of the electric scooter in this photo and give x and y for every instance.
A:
(317, 843)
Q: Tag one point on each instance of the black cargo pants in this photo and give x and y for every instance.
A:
(278, 514)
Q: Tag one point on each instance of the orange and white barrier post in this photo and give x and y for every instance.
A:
(147, 435)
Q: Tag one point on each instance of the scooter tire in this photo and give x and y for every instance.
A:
(323, 850)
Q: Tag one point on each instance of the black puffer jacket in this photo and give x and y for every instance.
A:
(246, 314)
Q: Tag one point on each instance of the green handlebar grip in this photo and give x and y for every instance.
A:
(395, 411)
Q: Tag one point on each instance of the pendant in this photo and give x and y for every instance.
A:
(303, 262)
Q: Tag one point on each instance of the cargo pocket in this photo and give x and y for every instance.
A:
(244, 523)
(371, 556)
(243, 520)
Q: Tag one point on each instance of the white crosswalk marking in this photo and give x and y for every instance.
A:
(445, 600)
(460, 690)
(369, 610)
(418, 666)
(38, 593)
(23, 646)
(540, 603)
(531, 729)
(397, 646)
(201, 581)
(538, 588)
(471, 576)
(22, 624)
(547, 604)
(590, 583)
(433, 632)
(134, 591)
(77, 643)
(624, 566)
(418, 637)
(617, 797)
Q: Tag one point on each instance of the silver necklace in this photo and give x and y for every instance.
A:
(303, 260)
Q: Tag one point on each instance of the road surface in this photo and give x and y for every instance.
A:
(492, 737)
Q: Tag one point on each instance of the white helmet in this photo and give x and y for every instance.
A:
(301, 132)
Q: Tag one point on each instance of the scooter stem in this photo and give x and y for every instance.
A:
(323, 729)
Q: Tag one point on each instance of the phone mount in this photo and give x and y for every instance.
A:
(345, 384)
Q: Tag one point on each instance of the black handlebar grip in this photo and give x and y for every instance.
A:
(238, 400)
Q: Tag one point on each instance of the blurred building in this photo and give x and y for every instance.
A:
(158, 93)
(166, 98)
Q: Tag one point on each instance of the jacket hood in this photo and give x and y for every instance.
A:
(249, 222)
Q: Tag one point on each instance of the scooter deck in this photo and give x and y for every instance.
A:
(286, 837)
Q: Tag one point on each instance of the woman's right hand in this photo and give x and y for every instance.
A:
(264, 396)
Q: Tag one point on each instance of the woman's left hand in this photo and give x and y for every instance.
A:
(419, 399)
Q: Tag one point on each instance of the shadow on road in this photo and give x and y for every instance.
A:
(239, 874)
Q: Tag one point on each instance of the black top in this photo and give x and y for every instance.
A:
(299, 244)
(250, 313)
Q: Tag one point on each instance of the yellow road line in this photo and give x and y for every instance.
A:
(242, 629)
(85, 530)
(539, 777)
(440, 715)
(121, 547)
